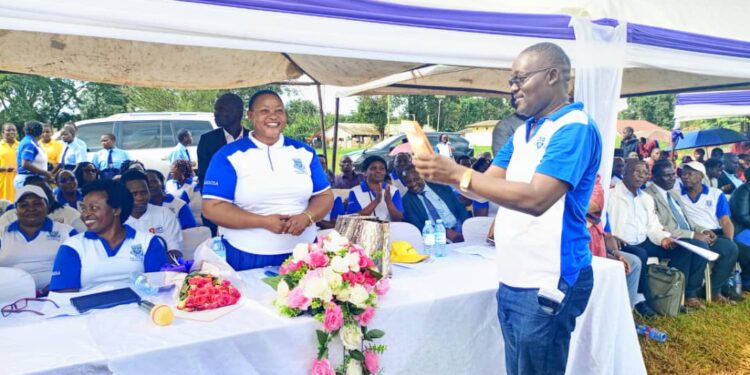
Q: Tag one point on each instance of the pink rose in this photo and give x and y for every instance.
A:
(293, 266)
(322, 367)
(372, 362)
(382, 287)
(283, 270)
(366, 316)
(296, 299)
(334, 318)
(318, 259)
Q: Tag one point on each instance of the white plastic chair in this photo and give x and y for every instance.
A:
(15, 284)
(193, 237)
(475, 229)
(403, 231)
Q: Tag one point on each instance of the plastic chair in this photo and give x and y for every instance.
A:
(475, 229)
(193, 237)
(15, 284)
(403, 231)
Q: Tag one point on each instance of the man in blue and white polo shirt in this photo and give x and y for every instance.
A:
(542, 179)
(708, 208)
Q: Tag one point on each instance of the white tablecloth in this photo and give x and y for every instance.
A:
(439, 318)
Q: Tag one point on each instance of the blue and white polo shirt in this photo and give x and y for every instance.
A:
(265, 180)
(360, 196)
(29, 150)
(185, 191)
(34, 254)
(161, 222)
(706, 210)
(181, 210)
(535, 252)
(86, 260)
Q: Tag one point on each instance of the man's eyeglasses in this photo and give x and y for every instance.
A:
(22, 306)
(520, 80)
(66, 180)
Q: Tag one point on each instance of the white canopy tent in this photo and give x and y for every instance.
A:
(617, 48)
(708, 105)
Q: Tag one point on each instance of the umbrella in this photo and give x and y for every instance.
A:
(404, 147)
(709, 137)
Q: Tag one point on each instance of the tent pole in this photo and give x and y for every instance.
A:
(322, 123)
(335, 137)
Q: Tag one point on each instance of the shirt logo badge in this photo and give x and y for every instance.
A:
(709, 203)
(298, 166)
(53, 236)
(156, 230)
(136, 252)
(540, 142)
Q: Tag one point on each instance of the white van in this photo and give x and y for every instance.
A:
(147, 136)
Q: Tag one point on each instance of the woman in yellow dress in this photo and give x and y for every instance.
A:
(8, 147)
(52, 147)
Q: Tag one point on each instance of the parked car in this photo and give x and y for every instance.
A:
(148, 136)
(384, 148)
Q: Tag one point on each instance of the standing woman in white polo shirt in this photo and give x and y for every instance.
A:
(32, 160)
(109, 250)
(31, 242)
(265, 191)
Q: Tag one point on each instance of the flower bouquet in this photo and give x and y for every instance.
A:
(339, 285)
(205, 292)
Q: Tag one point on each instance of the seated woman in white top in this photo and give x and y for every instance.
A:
(374, 196)
(31, 242)
(109, 250)
(57, 212)
(182, 183)
(160, 198)
(265, 191)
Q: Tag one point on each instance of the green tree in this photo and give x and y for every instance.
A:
(658, 109)
(302, 119)
(101, 100)
(374, 110)
(28, 97)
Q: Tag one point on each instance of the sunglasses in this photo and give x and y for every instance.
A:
(520, 80)
(22, 306)
(66, 180)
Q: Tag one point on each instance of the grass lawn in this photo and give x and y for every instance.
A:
(714, 341)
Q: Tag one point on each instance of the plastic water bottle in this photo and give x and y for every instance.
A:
(218, 247)
(439, 238)
(428, 237)
(142, 286)
(737, 280)
(650, 332)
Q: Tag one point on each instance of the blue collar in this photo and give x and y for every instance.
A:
(554, 116)
(129, 234)
(16, 227)
(684, 191)
(168, 198)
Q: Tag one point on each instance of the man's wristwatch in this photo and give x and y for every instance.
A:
(465, 180)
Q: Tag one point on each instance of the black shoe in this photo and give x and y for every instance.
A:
(644, 310)
(732, 294)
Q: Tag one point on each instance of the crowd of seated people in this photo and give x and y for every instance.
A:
(653, 202)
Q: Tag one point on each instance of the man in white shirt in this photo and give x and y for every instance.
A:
(156, 220)
(633, 221)
(708, 207)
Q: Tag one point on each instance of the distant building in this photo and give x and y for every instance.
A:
(479, 133)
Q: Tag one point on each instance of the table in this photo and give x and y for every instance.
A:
(439, 318)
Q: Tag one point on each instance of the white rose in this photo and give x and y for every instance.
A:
(354, 367)
(358, 295)
(334, 242)
(282, 291)
(343, 295)
(339, 264)
(351, 337)
(301, 252)
(353, 259)
(333, 279)
(317, 288)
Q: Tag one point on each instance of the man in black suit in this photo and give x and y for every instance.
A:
(228, 112)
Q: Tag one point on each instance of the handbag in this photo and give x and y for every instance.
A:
(667, 287)
(372, 234)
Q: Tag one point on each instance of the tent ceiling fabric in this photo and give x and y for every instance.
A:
(139, 63)
(339, 71)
